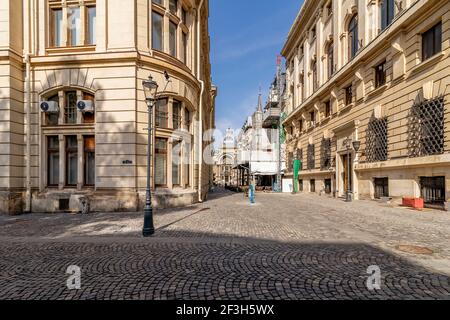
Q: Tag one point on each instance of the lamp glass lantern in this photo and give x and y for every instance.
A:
(150, 89)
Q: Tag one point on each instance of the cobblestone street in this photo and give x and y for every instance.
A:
(283, 247)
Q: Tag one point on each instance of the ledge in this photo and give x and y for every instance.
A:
(74, 49)
(375, 92)
(427, 63)
(429, 161)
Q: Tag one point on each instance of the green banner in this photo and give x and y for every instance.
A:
(297, 167)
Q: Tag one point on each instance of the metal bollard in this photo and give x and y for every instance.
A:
(252, 194)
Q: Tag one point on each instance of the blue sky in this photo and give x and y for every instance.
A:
(246, 37)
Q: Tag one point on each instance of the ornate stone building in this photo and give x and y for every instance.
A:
(225, 160)
(73, 111)
(376, 73)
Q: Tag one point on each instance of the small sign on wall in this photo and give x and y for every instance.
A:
(127, 162)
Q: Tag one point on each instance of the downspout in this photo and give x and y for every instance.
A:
(200, 128)
(28, 128)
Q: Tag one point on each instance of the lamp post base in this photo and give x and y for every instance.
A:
(349, 197)
(149, 229)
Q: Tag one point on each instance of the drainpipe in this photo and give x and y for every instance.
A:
(28, 128)
(202, 83)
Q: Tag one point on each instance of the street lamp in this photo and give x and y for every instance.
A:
(150, 90)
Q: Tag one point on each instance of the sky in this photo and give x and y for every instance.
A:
(246, 37)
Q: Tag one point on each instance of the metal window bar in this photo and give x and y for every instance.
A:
(325, 154)
(426, 128)
(311, 161)
(377, 140)
(433, 189)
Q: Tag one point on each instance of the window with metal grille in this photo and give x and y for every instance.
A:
(311, 161)
(300, 157)
(426, 128)
(377, 140)
(381, 187)
(433, 189)
(290, 160)
(325, 154)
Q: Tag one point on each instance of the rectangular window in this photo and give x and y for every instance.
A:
(187, 161)
(176, 163)
(387, 13)
(158, 2)
(312, 117)
(312, 183)
(56, 28)
(53, 160)
(173, 39)
(88, 117)
(89, 160)
(380, 75)
(71, 160)
(185, 48)
(173, 6)
(300, 126)
(327, 109)
(161, 114)
(161, 162)
(91, 25)
(70, 110)
(300, 183)
(157, 31)
(433, 190)
(187, 120)
(348, 95)
(328, 186)
(183, 16)
(381, 187)
(53, 118)
(432, 42)
(176, 114)
(74, 26)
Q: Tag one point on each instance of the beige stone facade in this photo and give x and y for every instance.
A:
(378, 73)
(101, 51)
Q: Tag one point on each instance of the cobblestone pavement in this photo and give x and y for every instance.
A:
(283, 247)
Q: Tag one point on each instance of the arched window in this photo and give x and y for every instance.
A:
(353, 36)
(330, 58)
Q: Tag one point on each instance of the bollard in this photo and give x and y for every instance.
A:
(252, 194)
(84, 205)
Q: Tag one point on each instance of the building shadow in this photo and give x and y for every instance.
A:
(186, 265)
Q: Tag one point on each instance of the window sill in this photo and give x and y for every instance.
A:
(377, 91)
(76, 49)
(427, 63)
(346, 107)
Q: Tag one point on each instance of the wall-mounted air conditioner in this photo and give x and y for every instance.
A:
(85, 106)
(49, 106)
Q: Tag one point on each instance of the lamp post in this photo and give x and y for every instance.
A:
(150, 90)
(348, 145)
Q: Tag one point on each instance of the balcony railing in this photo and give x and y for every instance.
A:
(271, 115)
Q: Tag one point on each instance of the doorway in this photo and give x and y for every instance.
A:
(348, 183)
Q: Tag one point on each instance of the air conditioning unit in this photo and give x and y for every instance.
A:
(49, 106)
(85, 106)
